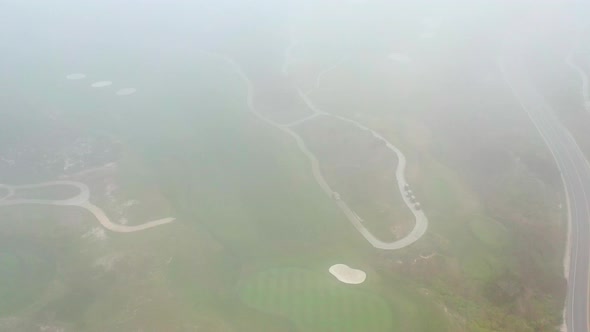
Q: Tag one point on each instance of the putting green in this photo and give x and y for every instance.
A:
(315, 302)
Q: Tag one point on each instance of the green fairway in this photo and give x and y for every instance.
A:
(316, 302)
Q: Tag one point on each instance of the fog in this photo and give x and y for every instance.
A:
(333, 165)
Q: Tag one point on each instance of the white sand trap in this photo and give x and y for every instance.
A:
(101, 84)
(348, 275)
(400, 58)
(76, 76)
(126, 91)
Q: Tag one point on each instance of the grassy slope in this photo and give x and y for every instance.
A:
(462, 227)
(245, 202)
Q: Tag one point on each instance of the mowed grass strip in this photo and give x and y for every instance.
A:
(315, 302)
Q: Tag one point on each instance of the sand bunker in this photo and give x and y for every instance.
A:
(75, 76)
(126, 91)
(101, 84)
(348, 275)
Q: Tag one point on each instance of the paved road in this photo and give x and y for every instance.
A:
(575, 172)
(80, 200)
(421, 224)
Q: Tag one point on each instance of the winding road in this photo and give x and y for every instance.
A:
(421, 223)
(575, 173)
(81, 200)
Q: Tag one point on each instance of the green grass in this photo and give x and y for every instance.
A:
(24, 274)
(316, 302)
(414, 310)
(245, 201)
(488, 231)
(482, 266)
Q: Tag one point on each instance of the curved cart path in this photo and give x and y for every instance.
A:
(80, 200)
(421, 221)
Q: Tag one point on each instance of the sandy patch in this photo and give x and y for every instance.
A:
(126, 91)
(347, 275)
(101, 84)
(75, 76)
